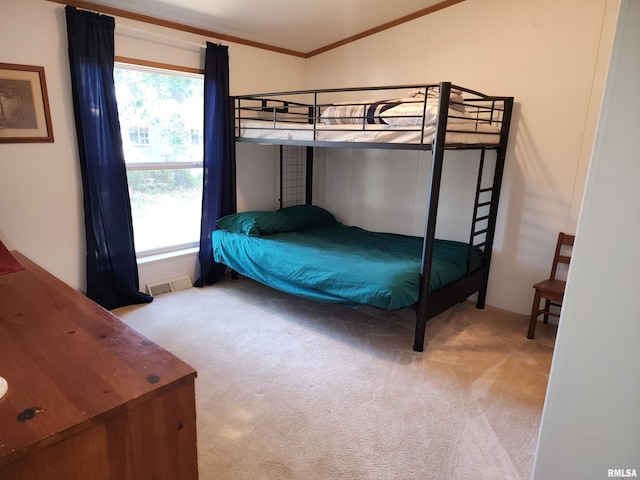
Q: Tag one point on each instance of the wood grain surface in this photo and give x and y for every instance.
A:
(88, 396)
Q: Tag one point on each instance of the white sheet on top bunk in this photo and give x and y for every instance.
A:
(470, 132)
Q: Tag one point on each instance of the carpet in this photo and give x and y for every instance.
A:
(289, 388)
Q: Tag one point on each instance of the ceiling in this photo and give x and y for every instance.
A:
(302, 26)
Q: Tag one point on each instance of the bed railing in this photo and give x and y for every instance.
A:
(369, 115)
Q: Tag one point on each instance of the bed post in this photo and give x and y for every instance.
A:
(308, 189)
(232, 147)
(437, 155)
(232, 173)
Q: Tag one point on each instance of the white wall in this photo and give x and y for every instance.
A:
(41, 211)
(551, 56)
(40, 199)
(591, 419)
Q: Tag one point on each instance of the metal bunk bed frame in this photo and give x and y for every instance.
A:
(482, 230)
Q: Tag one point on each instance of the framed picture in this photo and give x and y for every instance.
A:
(24, 106)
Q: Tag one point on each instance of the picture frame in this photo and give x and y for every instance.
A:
(24, 105)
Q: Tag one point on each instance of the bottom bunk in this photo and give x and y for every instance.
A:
(304, 251)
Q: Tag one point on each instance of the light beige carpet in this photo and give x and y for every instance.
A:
(290, 388)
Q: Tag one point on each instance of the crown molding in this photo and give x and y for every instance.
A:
(117, 12)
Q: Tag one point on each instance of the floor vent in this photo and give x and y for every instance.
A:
(166, 286)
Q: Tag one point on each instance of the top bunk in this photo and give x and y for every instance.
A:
(414, 117)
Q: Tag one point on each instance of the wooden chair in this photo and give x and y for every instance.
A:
(552, 289)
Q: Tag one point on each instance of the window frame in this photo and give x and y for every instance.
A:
(156, 67)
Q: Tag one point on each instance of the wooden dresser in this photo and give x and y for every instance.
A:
(88, 397)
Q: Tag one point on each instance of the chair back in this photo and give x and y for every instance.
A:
(563, 252)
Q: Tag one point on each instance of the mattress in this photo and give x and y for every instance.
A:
(343, 264)
(463, 132)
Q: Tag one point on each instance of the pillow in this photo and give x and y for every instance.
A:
(456, 100)
(308, 216)
(257, 223)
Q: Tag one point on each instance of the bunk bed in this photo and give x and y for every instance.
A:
(280, 248)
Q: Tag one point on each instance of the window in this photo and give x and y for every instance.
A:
(162, 111)
(196, 137)
(139, 135)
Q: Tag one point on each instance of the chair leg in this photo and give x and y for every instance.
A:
(535, 311)
(547, 307)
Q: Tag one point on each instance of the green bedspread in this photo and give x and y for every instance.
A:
(342, 264)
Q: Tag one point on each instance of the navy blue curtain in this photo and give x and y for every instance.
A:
(112, 273)
(218, 194)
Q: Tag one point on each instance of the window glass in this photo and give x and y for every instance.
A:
(139, 135)
(162, 111)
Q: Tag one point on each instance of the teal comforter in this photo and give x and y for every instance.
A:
(341, 264)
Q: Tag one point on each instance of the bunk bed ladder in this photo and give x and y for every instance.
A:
(481, 217)
(501, 153)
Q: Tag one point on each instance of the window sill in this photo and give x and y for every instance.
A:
(166, 256)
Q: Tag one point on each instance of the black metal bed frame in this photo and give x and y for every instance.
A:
(489, 109)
